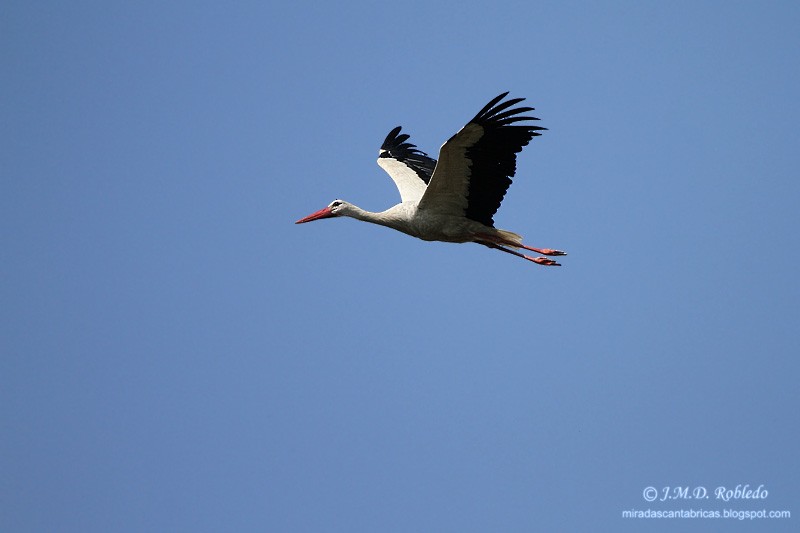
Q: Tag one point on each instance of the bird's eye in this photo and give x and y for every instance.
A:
(337, 203)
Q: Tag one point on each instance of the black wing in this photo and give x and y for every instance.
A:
(494, 155)
(396, 147)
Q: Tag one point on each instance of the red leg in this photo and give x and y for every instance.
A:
(538, 260)
(544, 251)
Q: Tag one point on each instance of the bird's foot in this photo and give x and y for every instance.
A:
(551, 252)
(545, 251)
(542, 261)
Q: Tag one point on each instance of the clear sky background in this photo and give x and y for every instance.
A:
(177, 355)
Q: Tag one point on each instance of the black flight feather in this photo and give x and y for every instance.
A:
(494, 156)
(396, 147)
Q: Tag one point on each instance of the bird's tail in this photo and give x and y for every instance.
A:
(509, 238)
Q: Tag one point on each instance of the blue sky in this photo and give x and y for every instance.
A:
(179, 356)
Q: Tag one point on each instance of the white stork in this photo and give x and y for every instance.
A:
(455, 199)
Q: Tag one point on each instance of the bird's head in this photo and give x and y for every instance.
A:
(336, 208)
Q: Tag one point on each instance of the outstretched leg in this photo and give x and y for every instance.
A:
(544, 251)
(538, 260)
(495, 239)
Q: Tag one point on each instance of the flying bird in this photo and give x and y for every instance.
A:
(455, 199)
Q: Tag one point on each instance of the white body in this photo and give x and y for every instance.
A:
(425, 224)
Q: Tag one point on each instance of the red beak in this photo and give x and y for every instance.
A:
(325, 212)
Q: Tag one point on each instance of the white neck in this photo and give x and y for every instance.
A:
(396, 217)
